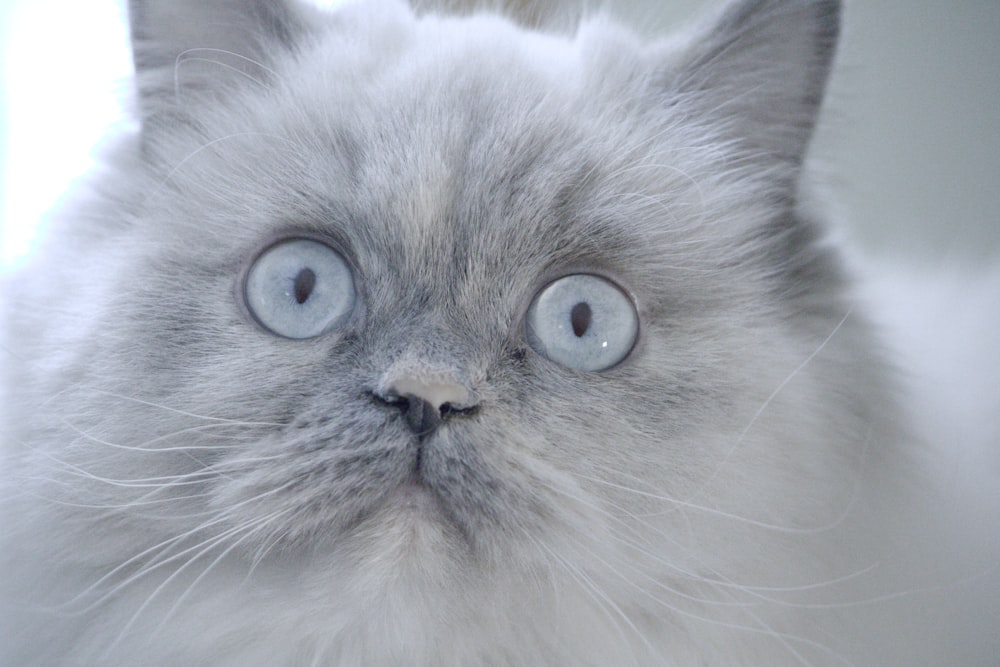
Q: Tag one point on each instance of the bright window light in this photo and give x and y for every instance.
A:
(60, 79)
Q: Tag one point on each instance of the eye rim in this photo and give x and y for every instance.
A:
(550, 278)
(357, 316)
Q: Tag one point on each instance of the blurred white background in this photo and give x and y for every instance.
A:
(911, 136)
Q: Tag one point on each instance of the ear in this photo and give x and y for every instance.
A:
(187, 49)
(758, 74)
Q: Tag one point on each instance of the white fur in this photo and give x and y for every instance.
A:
(762, 482)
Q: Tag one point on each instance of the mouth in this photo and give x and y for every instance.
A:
(417, 502)
(435, 484)
(414, 494)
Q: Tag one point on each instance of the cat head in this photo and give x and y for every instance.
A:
(378, 284)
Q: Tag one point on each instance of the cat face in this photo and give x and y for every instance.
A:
(447, 295)
(449, 197)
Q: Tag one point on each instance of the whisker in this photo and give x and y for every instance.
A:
(145, 447)
(604, 603)
(184, 56)
(185, 413)
(161, 547)
(767, 402)
(709, 510)
(143, 501)
(251, 528)
(201, 549)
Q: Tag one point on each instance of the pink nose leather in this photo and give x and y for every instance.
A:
(436, 393)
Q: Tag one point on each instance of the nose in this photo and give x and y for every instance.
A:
(426, 404)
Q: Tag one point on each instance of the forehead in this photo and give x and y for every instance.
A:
(457, 103)
(454, 151)
(465, 157)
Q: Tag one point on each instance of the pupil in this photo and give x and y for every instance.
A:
(580, 318)
(304, 284)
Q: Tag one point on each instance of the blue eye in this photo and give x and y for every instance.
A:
(582, 321)
(300, 289)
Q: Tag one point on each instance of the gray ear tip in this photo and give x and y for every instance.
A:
(827, 13)
(761, 68)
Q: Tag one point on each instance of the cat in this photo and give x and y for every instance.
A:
(441, 335)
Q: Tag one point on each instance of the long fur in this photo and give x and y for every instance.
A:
(750, 486)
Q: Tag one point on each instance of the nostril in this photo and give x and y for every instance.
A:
(420, 415)
(389, 399)
(444, 393)
(448, 409)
